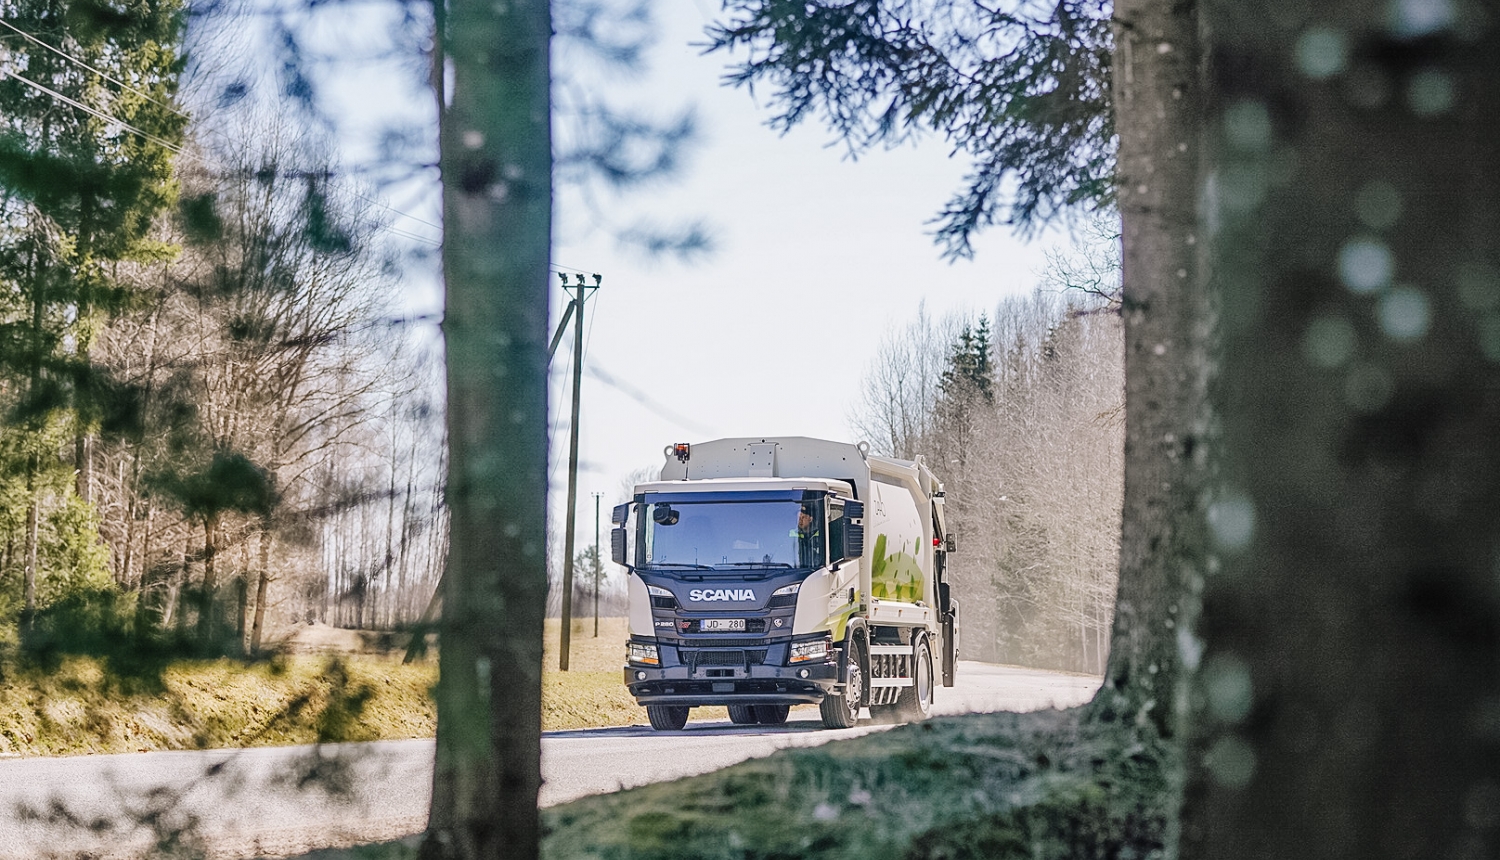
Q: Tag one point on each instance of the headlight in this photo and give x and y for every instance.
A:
(790, 589)
(657, 591)
(816, 649)
(640, 652)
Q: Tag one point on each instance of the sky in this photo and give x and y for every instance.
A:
(816, 258)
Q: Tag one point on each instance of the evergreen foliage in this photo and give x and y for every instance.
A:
(87, 136)
(1023, 89)
(970, 373)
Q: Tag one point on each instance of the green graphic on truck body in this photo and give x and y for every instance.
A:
(896, 576)
(839, 621)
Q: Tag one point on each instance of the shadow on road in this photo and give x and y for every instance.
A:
(706, 728)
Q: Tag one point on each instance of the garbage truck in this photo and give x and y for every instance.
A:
(771, 572)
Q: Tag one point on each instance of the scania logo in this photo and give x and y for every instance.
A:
(706, 595)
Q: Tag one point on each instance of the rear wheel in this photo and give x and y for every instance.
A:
(667, 718)
(915, 702)
(841, 711)
(771, 715)
(742, 715)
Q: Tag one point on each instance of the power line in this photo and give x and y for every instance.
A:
(159, 141)
(179, 151)
(65, 55)
(94, 112)
(560, 267)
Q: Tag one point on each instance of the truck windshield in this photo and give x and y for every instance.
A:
(730, 535)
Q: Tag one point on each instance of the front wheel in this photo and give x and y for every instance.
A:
(842, 711)
(742, 715)
(667, 718)
(771, 715)
(915, 702)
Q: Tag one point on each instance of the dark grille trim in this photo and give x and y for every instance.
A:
(736, 657)
(783, 601)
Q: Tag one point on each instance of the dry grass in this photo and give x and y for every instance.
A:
(336, 685)
(592, 692)
(76, 706)
(350, 688)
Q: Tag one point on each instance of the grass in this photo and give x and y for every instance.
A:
(1045, 785)
(1035, 785)
(75, 704)
(592, 692)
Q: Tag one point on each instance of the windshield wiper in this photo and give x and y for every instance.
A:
(754, 564)
(685, 564)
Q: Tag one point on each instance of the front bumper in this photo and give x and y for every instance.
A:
(802, 684)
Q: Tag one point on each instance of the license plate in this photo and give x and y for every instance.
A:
(709, 625)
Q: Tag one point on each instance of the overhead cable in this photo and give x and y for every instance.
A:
(65, 55)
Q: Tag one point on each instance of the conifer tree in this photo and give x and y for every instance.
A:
(88, 132)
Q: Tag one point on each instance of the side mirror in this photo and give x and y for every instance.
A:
(617, 546)
(854, 539)
(620, 514)
(950, 543)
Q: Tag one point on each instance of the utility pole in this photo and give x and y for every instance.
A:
(575, 309)
(598, 564)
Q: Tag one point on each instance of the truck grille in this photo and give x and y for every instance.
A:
(783, 601)
(726, 658)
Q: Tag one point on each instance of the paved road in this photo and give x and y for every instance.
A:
(256, 802)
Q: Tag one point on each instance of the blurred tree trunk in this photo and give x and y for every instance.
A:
(262, 586)
(496, 161)
(1167, 357)
(208, 601)
(1349, 696)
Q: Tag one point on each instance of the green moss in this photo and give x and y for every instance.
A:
(1000, 785)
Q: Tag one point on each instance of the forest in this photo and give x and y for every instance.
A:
(218, 419)
(223, 422)
(1023, 416)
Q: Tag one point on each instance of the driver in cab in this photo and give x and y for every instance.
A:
(809, 535)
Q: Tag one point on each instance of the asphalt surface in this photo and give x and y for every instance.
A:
(280, 801)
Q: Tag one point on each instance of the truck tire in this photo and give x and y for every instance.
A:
(914, 703)
(842, 711)
(771, 715)
(742, 715)
(667, 718)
